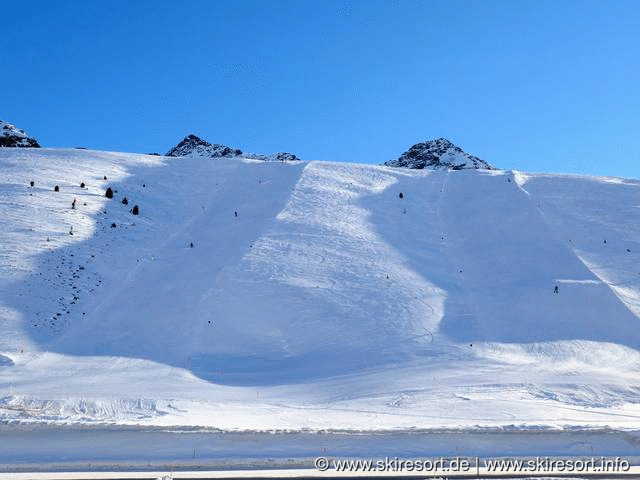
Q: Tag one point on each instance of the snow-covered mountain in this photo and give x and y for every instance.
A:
(315, 295)
(11, 136)
(193, 146)
(438, 153)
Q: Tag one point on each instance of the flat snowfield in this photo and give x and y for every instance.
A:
(310, 296)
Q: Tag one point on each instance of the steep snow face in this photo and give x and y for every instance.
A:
(268, 295)
(439, 153)
(11, 136)
(193, 146)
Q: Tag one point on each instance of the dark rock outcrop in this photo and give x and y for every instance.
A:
(193, 146)
(438, 153)
(11, 136)
(284, 157)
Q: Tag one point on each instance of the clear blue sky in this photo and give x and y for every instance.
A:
(537, 86)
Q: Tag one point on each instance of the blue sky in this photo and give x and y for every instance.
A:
(535, 86)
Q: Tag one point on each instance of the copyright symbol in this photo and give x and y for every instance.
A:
(322, 464)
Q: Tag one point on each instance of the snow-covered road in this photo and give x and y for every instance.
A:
(100, 448)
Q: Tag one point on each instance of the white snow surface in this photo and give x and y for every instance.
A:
(311, 296)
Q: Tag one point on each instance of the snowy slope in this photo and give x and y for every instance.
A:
(438, 153)
(313, 295)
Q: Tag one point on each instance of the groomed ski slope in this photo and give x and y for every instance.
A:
(252, 295)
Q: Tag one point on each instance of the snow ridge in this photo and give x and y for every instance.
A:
(438, 153)
(193, 146)
(11, 136)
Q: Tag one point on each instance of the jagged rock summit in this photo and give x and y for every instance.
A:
(11, 136)
(438, 153)
(193, 146)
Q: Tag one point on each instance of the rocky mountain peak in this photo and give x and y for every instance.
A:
(11, 136)
(193, 146)
(438, 153)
